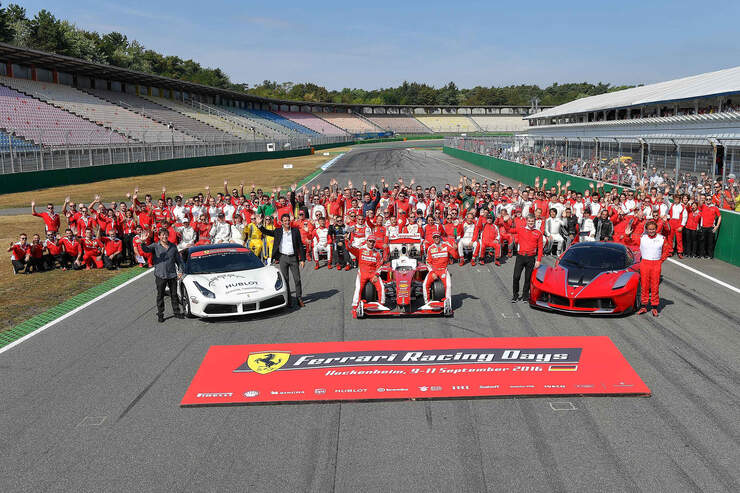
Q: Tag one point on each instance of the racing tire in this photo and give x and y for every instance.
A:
(369, 293)
(185, 300)
(438, 290)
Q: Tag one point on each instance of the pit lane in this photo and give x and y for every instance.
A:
(92, 403)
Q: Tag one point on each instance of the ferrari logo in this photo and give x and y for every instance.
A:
(263, 363)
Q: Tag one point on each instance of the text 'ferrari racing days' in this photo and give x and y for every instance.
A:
(228, 279)
(594, 277)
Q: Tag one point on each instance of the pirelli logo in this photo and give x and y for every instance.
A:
(561, 356)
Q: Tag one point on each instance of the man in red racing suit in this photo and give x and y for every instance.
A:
(369, 261)
(438, 257)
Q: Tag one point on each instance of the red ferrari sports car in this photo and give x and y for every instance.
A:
(591, 277)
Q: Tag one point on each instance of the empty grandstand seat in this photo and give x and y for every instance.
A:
(42, 123)
(350, 122)
(399, 124)
(495, 123)
(450, 124)
(309, 120)
(269, 116)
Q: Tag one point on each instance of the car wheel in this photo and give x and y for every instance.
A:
(185, 299)
(438, 290)
(369, 293)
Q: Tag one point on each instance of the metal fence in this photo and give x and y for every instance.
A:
(92, 150)
(679, 162)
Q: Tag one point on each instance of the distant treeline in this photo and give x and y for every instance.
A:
(47, 33)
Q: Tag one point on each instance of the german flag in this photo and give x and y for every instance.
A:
(563, 368)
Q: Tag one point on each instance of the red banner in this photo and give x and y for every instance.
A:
(412, 369)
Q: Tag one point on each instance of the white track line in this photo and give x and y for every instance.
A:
(69, 314)
(706, 276)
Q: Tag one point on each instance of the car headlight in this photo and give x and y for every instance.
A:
(540, 276)
(622, 280)
(204, 291)
(279, 282)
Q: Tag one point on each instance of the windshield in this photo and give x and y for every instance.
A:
(221, 260)
(604, 258)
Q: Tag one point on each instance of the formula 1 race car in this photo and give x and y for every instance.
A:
(403, 281)
(591, 277)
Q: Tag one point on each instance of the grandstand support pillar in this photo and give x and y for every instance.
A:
(55, 76)
(714, 161)
(596, 148)
(12, 160)
(619, 162)
(678, 162)
(34, 76)
(9, 69)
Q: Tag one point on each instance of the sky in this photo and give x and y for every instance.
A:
(378, 44)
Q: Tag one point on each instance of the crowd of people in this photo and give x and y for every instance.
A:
(626, 172)
(475, 218)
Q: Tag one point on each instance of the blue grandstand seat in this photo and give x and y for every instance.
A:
(18, 144)
(280, 120)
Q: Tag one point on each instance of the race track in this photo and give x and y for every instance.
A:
(92, 404)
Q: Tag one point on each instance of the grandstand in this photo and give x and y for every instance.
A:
(401, 124)
(313, 122)
(282, 121)
(61, 112)
(8, 141)
(42, 123)
(350, 122)
(448, 124)
(496, 123)
(89, 107)
(266, 125)
(229, 127)
(705, 104)
(165, 116)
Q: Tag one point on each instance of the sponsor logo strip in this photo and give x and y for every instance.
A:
(411, 369)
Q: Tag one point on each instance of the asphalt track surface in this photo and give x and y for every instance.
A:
(92, 404)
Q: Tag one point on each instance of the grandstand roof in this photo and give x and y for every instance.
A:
(717, 83)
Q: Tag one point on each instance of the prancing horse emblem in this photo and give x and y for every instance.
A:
(263, 363)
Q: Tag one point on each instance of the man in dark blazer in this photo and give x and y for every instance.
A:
(288, 253)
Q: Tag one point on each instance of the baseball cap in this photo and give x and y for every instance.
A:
(436, 233)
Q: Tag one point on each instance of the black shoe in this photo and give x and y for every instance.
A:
(160, 318)
(524, 299)
(179, 315)
(514, 299)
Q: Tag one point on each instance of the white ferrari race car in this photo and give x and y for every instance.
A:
(228, 279)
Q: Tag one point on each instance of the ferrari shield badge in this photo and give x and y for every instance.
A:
(263, 363)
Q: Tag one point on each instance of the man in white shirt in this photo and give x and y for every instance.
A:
(221, 230)
(652, 252)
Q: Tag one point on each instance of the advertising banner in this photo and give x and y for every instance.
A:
(412, 369)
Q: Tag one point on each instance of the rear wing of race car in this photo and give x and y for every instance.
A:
(405, 244)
